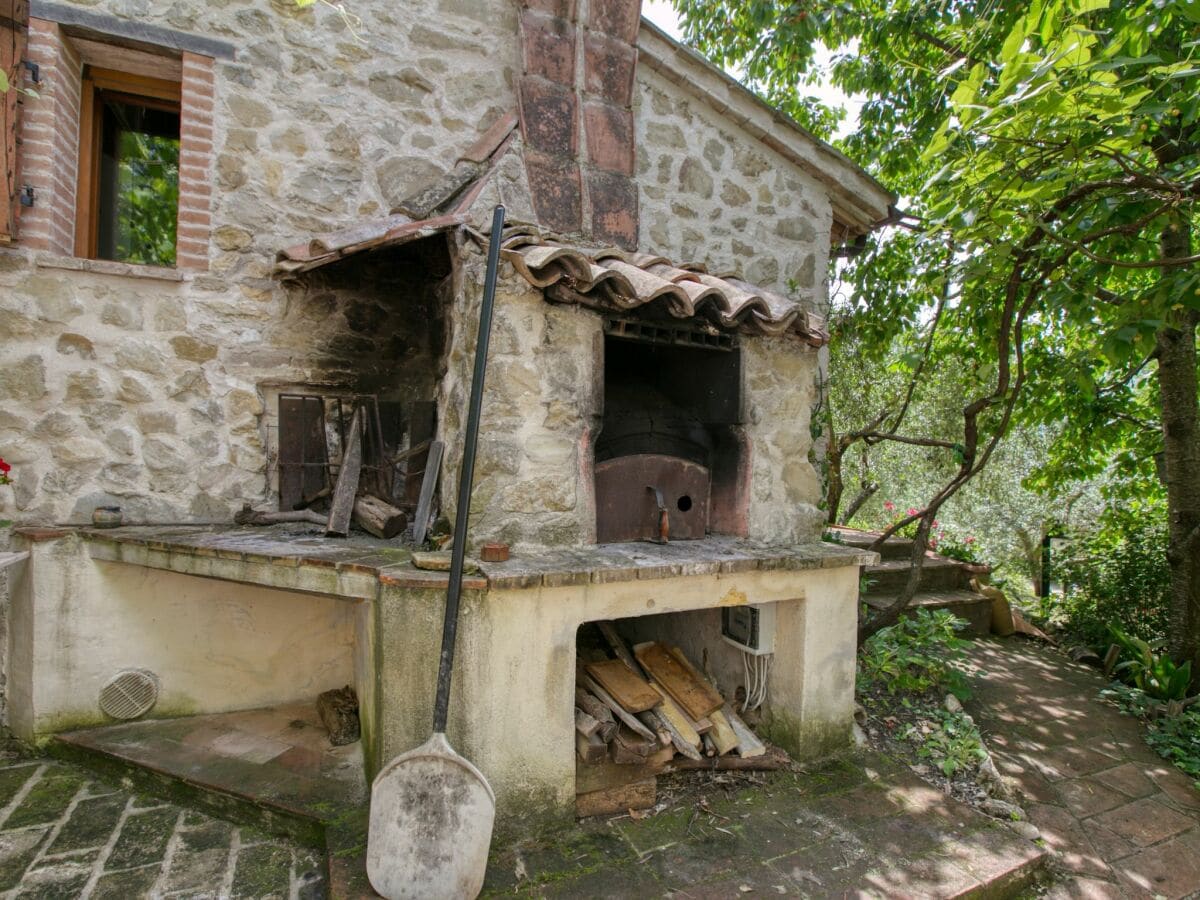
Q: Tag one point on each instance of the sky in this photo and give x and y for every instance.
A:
(662, 14)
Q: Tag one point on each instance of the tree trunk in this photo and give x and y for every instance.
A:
(834, 485)
(1178, 396)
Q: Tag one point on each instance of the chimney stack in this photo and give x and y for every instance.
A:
(578, 62)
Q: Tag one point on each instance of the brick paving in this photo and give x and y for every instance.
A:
(1121, 821)
(64, 833)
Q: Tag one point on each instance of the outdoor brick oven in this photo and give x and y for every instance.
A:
(648, 449)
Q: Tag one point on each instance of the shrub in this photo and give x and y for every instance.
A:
(917, 655)
(1119, 577)
(1153, 673)
(1176, 738)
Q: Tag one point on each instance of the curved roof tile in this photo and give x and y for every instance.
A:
(614, 279)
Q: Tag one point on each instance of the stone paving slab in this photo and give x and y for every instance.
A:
(860, 826)
(64, 833)
(1121, 821)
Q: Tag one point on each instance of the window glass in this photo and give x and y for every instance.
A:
(139, 182)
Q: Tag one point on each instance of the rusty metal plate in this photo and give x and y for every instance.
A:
(303, 455)
(627, 506)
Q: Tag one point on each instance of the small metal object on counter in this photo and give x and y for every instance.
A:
(106, 516)
(494, 551)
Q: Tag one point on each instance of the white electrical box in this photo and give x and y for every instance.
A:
(750, 628)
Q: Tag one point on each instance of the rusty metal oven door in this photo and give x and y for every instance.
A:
(650, 497)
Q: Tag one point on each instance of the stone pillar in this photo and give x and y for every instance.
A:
(579, 58)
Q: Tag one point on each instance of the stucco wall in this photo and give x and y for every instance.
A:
(215, 646)
(513, 687)
(144, 393)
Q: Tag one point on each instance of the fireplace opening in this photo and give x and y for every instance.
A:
(670, 459)
(371, 331)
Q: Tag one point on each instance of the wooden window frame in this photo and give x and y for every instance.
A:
(142, 90)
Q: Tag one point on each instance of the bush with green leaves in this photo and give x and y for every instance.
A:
(949, 740)
(918, 655)
(1153, 673)
(1118, 577)
(1176, 738)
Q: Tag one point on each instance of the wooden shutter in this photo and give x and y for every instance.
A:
(14, 30)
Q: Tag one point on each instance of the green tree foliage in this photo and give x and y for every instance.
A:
(147, 198)
(1048, 156)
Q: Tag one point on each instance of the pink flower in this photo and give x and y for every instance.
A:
(968, 540)
(889, 506)
(935, 524)
(912, 511)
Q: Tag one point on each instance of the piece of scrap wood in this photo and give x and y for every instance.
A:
(341, 507)
(590, 748)
(433, 465)
(607, 774)
(722, 734)
(749, 746)
(695, 697)
(639, 795)
(772, 760)
(632, 692)
(583, 678)
(585, 724)
(678, 720)
(592, 706)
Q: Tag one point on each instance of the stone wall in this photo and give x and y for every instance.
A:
(712, 195)
(146, 392)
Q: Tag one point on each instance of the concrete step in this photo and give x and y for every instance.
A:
(893, 547)
(937, 574)
(974, 609)
(272, 769)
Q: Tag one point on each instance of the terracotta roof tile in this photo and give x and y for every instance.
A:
(616, 280)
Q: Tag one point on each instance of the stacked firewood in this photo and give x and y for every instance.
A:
(644, 710)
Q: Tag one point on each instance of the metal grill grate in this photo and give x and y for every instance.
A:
(129, 694)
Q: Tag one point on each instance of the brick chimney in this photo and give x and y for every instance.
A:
(575, 96)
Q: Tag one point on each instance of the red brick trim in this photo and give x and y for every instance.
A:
(50, 149)
(550, 95)
(50, 141)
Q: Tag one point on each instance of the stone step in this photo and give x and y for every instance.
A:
(893, 547)
(938, 573)
(972, 608)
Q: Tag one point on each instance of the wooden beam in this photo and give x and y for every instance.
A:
(342, 505)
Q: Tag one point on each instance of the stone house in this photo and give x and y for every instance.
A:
(212, 208)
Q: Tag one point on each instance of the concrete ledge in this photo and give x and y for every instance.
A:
(354, 568)
(606, 563)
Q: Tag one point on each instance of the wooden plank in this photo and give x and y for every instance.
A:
(433, 465)
(590, 748)
(585, 724)
(722, 734)
(675, 738)
(341, 507)
(609, 632)
(678, 720)
(770, 761)
(695, 697)
(626, 688)
(582, 677)
(749, 745)
(598, 711)
(607, 774)
(639, 795)
(632, 749)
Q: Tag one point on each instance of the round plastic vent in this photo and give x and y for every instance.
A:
(129, 694)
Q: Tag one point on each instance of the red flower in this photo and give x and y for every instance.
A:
(5, 468)
(889, 505)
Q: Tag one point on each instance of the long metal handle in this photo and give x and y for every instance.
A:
(466, 475)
